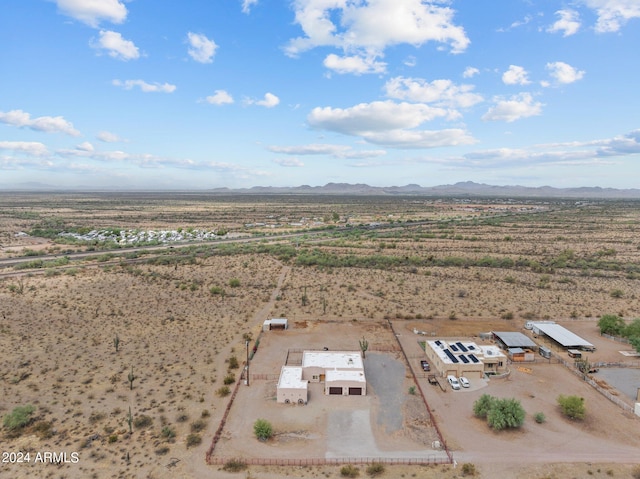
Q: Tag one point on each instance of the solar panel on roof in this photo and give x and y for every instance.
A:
(461, 346)
(471, 347)
(473, 358)
(453, 347)
(438, 343)
(463, 358)
(451, 356)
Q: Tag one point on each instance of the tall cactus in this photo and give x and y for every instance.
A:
(131, 378)
(116, 342)
(364, 345)
(130, 421)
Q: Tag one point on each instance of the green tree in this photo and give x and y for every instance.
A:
(633, 329)
(572, 406)
(635, 342)
(505, 413)
(483, 405)
(611, 324)
(19, 417)
(263, 429)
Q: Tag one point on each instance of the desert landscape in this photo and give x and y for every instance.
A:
(130, 352)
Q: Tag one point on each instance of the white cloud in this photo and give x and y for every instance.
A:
(144, 86)
(613, 14)
(289, 162)
(564, 73)
(470, 72)
(85, 146)
(269, 101)
(33, 148)
(439, 92)
(247, 4)
(515, 75)
(92, 12)
(335, 151)
(48, 124)
(353, 64)
(373, 26)
(388, 123)
(116, 46)
(108, 137)
(515, 108)
(202, 49)
(421, 138)
(568, 23)
(219, 97)
(375, 116)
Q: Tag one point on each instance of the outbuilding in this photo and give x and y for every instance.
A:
(275, 323)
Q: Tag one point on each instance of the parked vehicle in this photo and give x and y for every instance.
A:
(544, 352)
(425, 365)
(464, 382)
(453, 381)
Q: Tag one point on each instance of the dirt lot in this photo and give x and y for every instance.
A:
(180, 319)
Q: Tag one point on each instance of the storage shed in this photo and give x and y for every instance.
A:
(275, 323)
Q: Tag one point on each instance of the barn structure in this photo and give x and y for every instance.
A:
(561, 336)
(342, 373)
(465, 358)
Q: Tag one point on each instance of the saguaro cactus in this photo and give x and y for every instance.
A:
(116, 342)
(364, 345)
(131, 377)
(130, 421)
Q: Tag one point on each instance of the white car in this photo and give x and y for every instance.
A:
(464, 382)
(454, 382)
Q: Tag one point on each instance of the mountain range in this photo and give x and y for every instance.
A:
(460, 189)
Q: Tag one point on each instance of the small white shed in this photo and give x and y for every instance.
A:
(275, 323)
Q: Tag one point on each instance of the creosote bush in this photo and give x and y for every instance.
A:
(572, 406)
(193, 440)
(375, 469)
(18, 418)
(349, 471)
(263, 429)
(234, 465)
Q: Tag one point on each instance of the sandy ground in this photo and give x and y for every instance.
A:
(57, 331)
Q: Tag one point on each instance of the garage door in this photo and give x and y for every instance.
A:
(334, 390)
(355, 391)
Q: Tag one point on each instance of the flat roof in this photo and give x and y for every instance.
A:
(335, 375)
(290, 377)
(561, 335)
(459, 352)
(276, 321)
(514, 339)
(332, 359)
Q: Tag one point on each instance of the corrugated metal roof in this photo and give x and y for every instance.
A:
(514, 339)
(561, 335)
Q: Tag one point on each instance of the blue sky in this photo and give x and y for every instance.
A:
(142, 94)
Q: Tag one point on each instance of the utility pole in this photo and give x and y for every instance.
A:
(247, 344)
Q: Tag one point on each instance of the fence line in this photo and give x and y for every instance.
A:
(223, 421)
(424, 399)
(267, 377)
(618, 339)
(635, 364)
(321, 461)
(614, 399)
